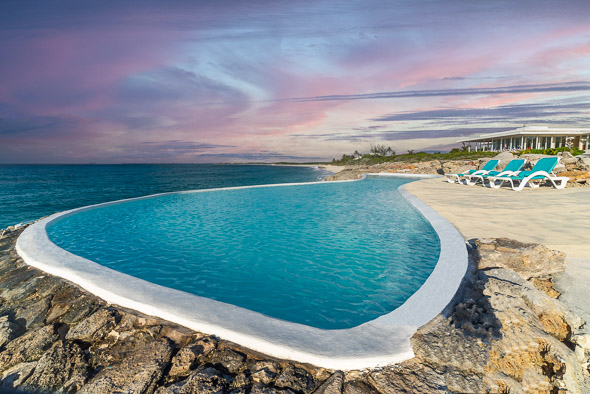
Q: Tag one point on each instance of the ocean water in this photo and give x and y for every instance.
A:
(28, 192)
(328, 255)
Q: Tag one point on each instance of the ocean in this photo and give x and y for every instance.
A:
(29, 192)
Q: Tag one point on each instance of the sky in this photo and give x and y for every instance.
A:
(268, 81)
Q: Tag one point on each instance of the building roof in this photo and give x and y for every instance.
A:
(531, 130)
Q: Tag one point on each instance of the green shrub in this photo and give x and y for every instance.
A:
(552, 151)
(413, 157)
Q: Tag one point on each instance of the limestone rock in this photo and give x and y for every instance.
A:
(458, 167)
(295, 378)
(25, 289)
(441, 344)
(408, 377)
(529, 260)
(264, 371)
(81, 308)
(358, 387)
(65, 297)
(231, 360)
(28, 347)
(427, 167)
(115, 346)
(137, 373)
(94, 327)
(179, 335)
(63, 364)
(12, 281)
(186, 357)
(576, 176)
(9, 330)
(203, 380)
(546, 286)
(567, 158)
(241, 383)
(14, 377)
(504, 158)
(503, 335)
(332, 385)
(534, 347)
(582, 163)
(33, 312)
(583, 341)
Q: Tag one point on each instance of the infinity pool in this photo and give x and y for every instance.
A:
(327, 255)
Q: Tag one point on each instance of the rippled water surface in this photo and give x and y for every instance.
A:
(28, 192)
(329, 255)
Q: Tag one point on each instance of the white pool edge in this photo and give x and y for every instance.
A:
(379, 342)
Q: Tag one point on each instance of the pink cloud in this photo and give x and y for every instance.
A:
(75, 71)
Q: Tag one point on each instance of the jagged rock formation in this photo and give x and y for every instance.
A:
(500, 334)
(527, 259)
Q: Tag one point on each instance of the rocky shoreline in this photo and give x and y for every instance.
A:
(577, 168)
(505, 331)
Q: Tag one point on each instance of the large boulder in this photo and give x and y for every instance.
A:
(567, 158)
(583, 163)
(504, 157)
(528, 259)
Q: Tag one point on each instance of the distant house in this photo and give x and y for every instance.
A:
(530, 137)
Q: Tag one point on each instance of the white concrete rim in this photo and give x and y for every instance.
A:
(379, 342)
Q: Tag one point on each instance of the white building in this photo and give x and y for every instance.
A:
(531, 137)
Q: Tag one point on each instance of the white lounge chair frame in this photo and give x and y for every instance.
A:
(558, 182)
(452, 178)
(469, 180)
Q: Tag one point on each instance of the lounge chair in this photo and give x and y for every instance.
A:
(489, 166)
(543, 170)
(511, 169)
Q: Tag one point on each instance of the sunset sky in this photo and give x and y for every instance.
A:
(228, 81)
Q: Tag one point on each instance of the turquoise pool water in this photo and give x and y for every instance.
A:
(328, 255)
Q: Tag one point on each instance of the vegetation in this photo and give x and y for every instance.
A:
(381, 154)
(376, 156)
(552, 151)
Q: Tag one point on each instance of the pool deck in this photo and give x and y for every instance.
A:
(558, 219)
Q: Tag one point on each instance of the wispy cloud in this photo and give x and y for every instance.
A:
(401, 135)
(576, 86)
(495, 114)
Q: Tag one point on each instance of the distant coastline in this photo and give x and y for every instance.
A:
(327, 167)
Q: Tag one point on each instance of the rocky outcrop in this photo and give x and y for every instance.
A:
(425, 167)
(577, 168)
(500, 334)
(527, 259)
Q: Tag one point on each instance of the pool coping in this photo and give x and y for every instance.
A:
(379, 342)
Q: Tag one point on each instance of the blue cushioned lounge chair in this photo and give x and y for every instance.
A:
(489, 166)
(542, 171)
(511, 169)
